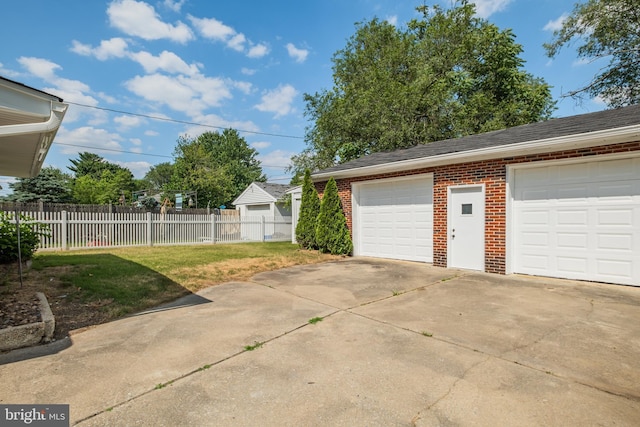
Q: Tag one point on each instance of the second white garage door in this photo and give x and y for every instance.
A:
(579, 221)
(394, 219)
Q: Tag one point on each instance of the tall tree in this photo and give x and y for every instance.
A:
(309, 210)
(219, 166)
(107, 189)
(332, 233)
(51, 185)
(159, 175)
(605, 29)
(91, 164)
(446, 75)
(231, 152)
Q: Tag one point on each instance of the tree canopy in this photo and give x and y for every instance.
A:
(219, 166)
(605, 29)
(51, 185)
(446, 75)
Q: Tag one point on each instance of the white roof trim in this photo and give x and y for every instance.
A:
(568, 142)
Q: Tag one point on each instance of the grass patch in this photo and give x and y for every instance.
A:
(117, 282)
(426, 334)
(315, 320)
(396, 292)
(257, 344)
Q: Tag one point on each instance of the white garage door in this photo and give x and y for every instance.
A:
(394, 219)
(579, 221)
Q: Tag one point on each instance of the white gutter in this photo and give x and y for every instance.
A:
(567, 142)
(58, 110)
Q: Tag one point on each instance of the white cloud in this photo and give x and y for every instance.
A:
(261, 144)
(278, 100)
(166, 61)
(8, 73)
(69, 90)
(218, 122)
(135, 141)
(393, 20)
(139, 19)
(486, 8)
(244, 87)
(138, 169)
(215, 30)
(151, 133)
(212, 29)
(277, 159)
(174, 5)
(300, 55)
(40, 67)
(115, 47)
(128, 121)
(247, 71)
(556, 24)
(190, 95)
(89, 138)
(258, 51)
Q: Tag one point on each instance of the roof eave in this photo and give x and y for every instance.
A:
(568, 142)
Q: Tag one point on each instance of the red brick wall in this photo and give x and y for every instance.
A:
(492, 173)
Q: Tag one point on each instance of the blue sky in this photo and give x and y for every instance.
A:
(242, 64)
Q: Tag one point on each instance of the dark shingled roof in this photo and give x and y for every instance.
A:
(276, 190)
(554, 128)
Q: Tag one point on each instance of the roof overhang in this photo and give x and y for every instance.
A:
(568, 142)
(29, 121)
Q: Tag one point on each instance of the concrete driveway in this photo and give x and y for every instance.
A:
(399, 344)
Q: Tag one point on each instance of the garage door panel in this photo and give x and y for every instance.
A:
(395, 219)
(587, 227)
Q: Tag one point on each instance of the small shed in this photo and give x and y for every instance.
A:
(265, 200)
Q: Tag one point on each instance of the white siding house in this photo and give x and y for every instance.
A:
(264, 200)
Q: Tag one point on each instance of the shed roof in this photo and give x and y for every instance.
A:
(278, 191)
(597, 124)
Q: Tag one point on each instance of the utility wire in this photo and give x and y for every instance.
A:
(184, 122)
(144, 154)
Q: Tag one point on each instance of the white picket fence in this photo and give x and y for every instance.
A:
(81, 230)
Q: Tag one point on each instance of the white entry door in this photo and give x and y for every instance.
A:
(466, 228)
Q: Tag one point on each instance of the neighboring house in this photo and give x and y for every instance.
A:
(559, 198)
(264, 199)
(296, 201)
(29, 121)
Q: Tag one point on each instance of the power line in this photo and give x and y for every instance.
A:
(113, 150)
(184, 122)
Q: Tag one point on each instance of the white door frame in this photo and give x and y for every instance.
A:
(450, 213)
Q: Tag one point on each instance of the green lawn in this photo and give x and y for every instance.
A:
(133, 279)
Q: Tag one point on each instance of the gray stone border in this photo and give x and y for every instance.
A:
(30, 334)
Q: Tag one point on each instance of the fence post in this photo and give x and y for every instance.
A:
(262, 229)
(149, 230)
(63, 228)
(213, 228)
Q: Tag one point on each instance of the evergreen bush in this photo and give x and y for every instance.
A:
(309, 209)
(332, 233)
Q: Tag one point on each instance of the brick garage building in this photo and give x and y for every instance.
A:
(559, 198)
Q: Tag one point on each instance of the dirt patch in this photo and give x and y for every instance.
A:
(19, 305)
(233, 270)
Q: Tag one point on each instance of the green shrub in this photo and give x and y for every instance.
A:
(332, 233)
(29, 238)
(309, 209)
